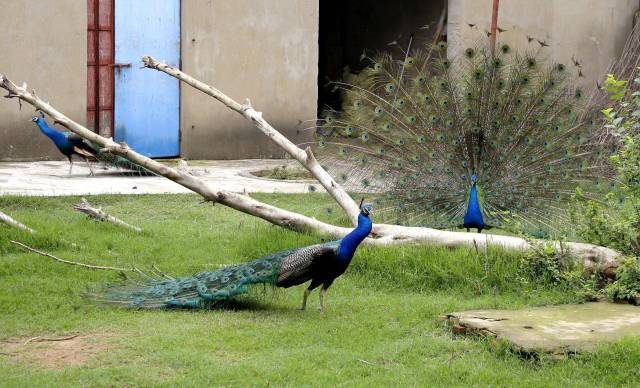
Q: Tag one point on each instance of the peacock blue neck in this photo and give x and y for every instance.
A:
(473, 218)
(58, 137)
(350, 242)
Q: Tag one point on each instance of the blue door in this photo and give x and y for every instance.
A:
(147, 102)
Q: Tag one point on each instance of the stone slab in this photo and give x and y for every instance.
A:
(553, 329)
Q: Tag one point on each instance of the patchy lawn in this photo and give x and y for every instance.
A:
(381, 326)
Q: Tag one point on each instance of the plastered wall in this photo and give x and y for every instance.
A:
(591, 31)
(263, 50)
(43, 42)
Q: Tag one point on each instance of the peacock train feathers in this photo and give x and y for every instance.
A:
(487, 139)
(321, 264)
(199, 290)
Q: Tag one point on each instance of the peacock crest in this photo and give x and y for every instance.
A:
(423, 132)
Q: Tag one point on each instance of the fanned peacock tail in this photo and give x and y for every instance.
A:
(413, 131)
(200, 290)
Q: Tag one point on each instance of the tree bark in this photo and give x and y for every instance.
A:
(209, 192)
(593, 257)
(85, 207)
(11, 222)
(305, 157)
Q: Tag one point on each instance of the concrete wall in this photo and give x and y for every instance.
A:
(43, 42)
(261, 49)
(266, 50)
(592, 31)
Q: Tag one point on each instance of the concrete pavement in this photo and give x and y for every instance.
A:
(51, 179)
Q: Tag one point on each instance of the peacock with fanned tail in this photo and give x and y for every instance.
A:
(487, 139)
(321, 264)
(70, 144)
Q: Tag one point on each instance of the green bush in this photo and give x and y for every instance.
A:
(615, 221)
(627, 284)
(545, 264)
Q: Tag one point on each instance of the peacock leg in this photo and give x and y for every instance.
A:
(314, 283)
(322, 292)
(70, 165)
(91, 173)
(304, 299)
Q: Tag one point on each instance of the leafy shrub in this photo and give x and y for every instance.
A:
(545, 264)
(615, 221)
(604, 223)
(627, 283)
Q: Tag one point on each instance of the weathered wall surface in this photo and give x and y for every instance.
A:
(591, 31)
(261, 49)
(45, 44)
(266, 50)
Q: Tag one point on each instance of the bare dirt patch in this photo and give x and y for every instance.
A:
(56, 351)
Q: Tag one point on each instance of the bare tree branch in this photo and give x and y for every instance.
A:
(593, 257)
(236, 201)
(11, 222)
(305, 157)
(59, 260)
(97, 213)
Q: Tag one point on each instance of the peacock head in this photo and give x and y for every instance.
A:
(474, 178)
(365, 208)
(35, 118)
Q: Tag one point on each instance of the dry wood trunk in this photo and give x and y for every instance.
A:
(593, 257)
(11, 222)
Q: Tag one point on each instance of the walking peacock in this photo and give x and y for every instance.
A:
(321, 263)
(488, 139)
(70, 144)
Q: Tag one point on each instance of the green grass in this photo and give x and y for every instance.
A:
(380, 328)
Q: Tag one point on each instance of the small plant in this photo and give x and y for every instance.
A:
(541, 263)
(284, 173)
(545, 264)
(603, 223)
(626, 287)
(623, 118)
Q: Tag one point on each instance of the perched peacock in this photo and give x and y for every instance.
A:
(321, 263)
(70, 144)
(483, 140)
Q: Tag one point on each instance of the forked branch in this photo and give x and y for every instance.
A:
(207, 190)
(593, 257)
(305, 157)
(97, 213)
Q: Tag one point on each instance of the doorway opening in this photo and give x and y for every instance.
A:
(349, 27)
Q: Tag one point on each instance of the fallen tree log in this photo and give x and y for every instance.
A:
(98, 214)
(11, 222)
(207, 190)
(596, 258)
(304, 157)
